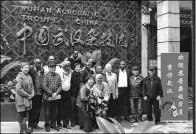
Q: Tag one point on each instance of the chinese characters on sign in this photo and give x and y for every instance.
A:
(174, 75)
(42, 37)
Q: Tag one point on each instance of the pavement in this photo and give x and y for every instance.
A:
(143, 127)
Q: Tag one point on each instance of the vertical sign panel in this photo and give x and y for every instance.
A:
(174, 77)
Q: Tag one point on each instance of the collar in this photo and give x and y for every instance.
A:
(154, 77)
(122, 71)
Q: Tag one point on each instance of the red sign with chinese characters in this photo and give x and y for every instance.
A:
(174, 77)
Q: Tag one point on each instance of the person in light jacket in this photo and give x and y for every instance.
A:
(24, 95)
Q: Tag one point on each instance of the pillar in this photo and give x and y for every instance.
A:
(168, 29)
(144, 50)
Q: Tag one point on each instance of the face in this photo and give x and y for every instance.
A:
(90, 82)
(77, 68)
(151, 72)
(67, 67)
(75, 55)
(100, 79)
(122, 65)
(88, 65)
(98, 69)
(38, 64)
(135, 72)
(51, 58)
(109, 69)
(52, 69)
(25, 69)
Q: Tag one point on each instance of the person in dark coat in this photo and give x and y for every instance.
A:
(85, 120)
(135, 93)
(86, 73)
(152, 93)
(24, 95)
(74, 59)
(74, 90)
(37, 73)
(123, 75)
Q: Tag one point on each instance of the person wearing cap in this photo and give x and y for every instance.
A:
(64, 103)
(45, 67)
(152, 93)
(52, 88)
(37, 74)
(135, 94)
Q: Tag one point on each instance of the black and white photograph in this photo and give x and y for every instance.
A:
(105, 66)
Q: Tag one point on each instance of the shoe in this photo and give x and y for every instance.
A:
(23, 132)
(150, 119)
(157, 123)
(127, 118)
(55, 128)
(37, 127)
(29, 131)
(139, 120)
(47, 129)
(119, 119)
(60, 126)
(72, 124)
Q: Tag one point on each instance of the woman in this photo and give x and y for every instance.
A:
(74, 90)
(82, 104)
(111, 79)
(24, 95)
(101, 91)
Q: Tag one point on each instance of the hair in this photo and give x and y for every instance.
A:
(108, 65)
(90, 78)
(76, 64)
(97, 76)
(122, 61)
(35, 60)
(24, 64)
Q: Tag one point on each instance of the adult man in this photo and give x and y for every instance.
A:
(52, 88)
(36, 72)
(64, 103)
(74, 59)
(98, 70)
(45, 67)
(135, 93)
(152, 91)
(123, 85)
(86, 73)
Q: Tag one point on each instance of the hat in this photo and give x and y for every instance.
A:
(51, 64)
(151, 68)
(66, 62)
(135, 68)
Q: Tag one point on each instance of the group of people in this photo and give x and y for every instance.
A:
(74, 93)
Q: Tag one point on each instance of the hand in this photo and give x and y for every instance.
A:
(116, 95)
(30, 97)
(10, 83)
(54, 95)
(158, 97)
(145, 98)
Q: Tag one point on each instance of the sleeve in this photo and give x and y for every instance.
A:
(32, 87)
(160, 88)
(45, 86)
(59, 85)
(83, 94)
(106, 95)
(82, 77)
(144, 88)
(116, 84)
(20, 90)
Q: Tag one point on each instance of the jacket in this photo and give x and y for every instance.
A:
(75, 83)
(73, 61)
(152, 88)
(128, 75)
(24, 89)
(51, 84)
(135, 89)
(37, 80)
(85, 74)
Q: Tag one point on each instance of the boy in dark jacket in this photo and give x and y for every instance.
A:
(152, 92)
(135, 94)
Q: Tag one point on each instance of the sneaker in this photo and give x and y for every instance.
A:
(55, 128)
(60, 126)
(47, 129)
